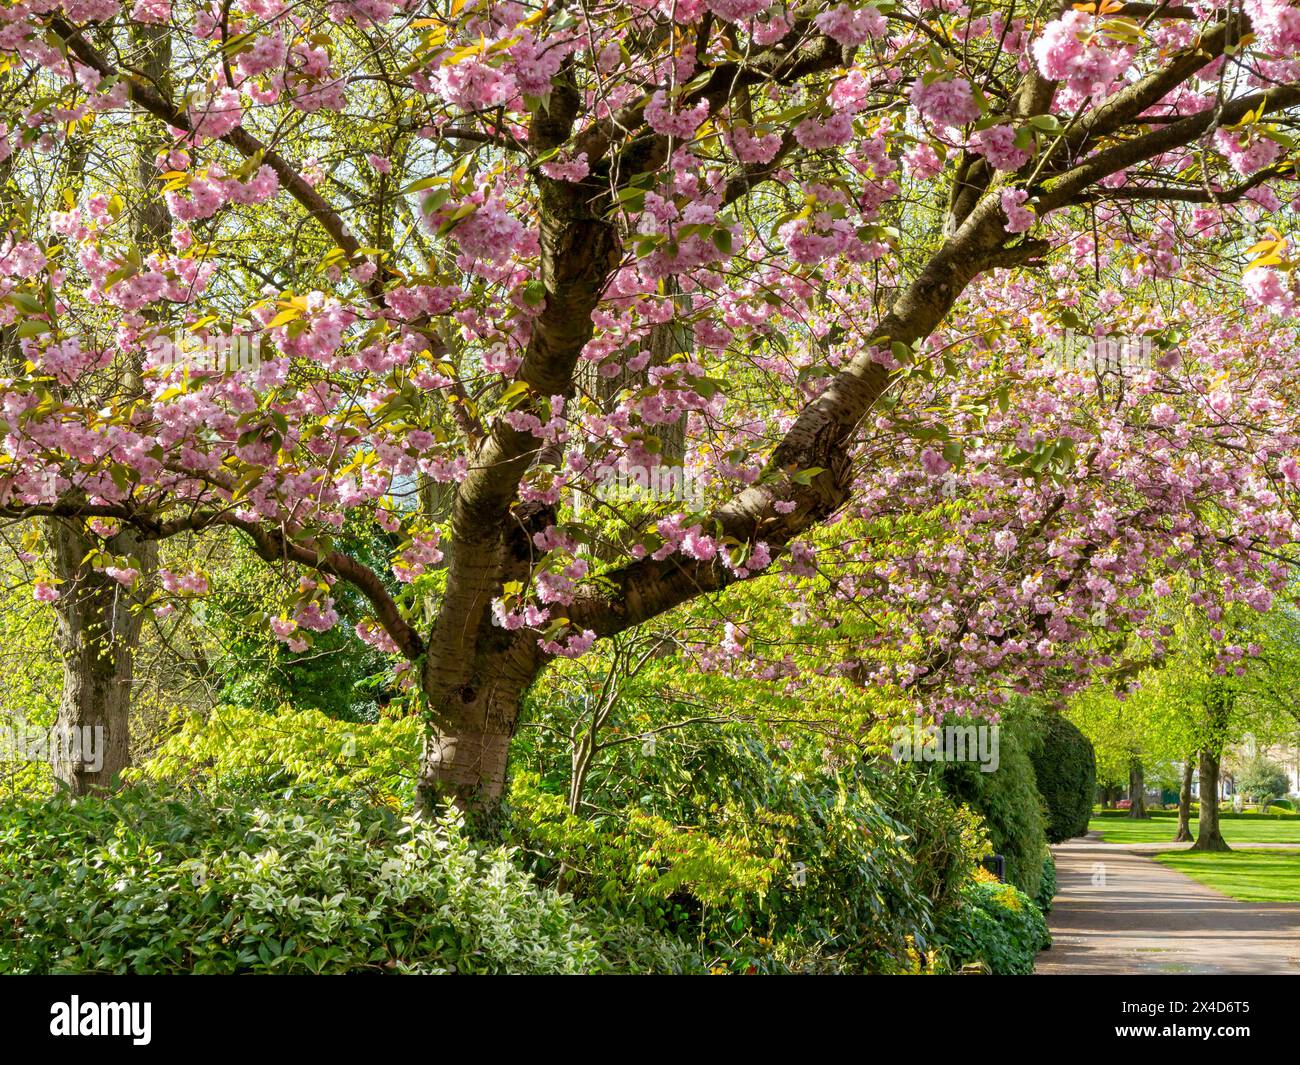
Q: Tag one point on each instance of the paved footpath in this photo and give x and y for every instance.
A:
(1117, 911)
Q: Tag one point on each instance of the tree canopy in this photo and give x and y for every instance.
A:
(968, 326)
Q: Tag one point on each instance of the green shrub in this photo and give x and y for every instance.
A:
(997, 925)
(767, 866)
(148, 882)
(628, 945)
(1066, 771)
(1009, 802)
(256, 752)
(1284, 805)
(1226, 813)
(1047, 886)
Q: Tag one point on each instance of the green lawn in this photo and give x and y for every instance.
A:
(1162, 829)
(1251, 876)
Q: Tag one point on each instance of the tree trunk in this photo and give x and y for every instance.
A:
(474, 672)
(1184, 834)
(473, 714)
(1136, 789)
(97, 631)
(1208, 836)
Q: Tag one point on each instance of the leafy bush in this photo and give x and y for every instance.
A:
(733, 846)
(1273, 813)
(1282, 804)
(1047, 886)
(155, 883)
(627, 945)
(1009, 802)
(997, 925)
(257, 752)
(1066, 772)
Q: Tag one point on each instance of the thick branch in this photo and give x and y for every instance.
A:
(1061, 190)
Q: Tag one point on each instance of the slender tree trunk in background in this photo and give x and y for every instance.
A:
(1208, 835)
(97, 631)
(1136, 789)
(1218, 707)
(1184, 834)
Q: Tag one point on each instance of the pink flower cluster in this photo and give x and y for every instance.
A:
(577, 645)
(923, 161)
(209, 193)
(816, 134)
(574, 170)
(737, 10)
(850, 26)
(754, 147)
(947, 102)
(998, 145)
(490, 233)
(415, 559)
(1070, 51)
(374, 634)
(1276, 23)
(663, 119)
(216, 115)
(1270, 290)
(1019, 217)
(1247, 151)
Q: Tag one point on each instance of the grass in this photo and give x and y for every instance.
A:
(1251, 876)
(1162, 829)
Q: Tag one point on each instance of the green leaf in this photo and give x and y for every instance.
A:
(805, 477)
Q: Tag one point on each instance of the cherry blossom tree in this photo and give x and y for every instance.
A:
(892, 247)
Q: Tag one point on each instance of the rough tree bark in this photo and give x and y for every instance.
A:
(97, 633)
(1208, 835)
(1218, 707)
(1184, 834)
(1137, 789)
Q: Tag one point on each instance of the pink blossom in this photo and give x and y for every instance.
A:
(849, 26)
(923, 161)
(1265, 287)
(124, 575)
(946, 102)
(1276, 23)
(1019, 217)
(669, 122)
(815, 134)
(574, 170)
(216, 115)
(1070, 51)
(1246, 152)
(997, 145)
